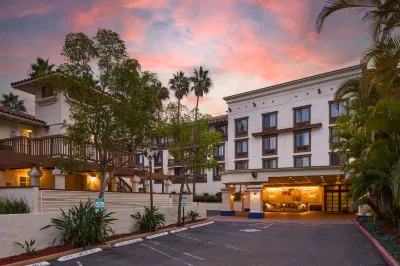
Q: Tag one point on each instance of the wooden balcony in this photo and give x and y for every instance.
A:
(56, 146)
(173, 162)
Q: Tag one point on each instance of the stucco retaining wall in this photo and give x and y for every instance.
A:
(21, 227)
(217, 206)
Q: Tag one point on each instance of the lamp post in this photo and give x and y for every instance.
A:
(150, 154)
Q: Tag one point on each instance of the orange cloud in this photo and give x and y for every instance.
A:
(170, 62)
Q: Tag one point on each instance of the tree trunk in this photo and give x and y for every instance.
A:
(374, 208)
(194, 143)
(187, 186)
(103, 183)
(180, 197)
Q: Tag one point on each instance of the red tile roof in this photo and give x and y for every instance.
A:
(26, 80)
(219, 119)
(9, 111)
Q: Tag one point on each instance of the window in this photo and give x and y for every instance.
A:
(332, 138)
(139, 158)
(221, 128)
(270, 163)
(160, 140)
(158, 159)
(217, 172)
(47, 92)
(241, 149)
(24, 181)
(302, 161)
(335, 109)
(334, 159)
(241, 126)
(242, 165)
(269, 121)
(269, 145)
(177, 171)
(158, 171)
(302, 116)
(302, 141)
(219, 155)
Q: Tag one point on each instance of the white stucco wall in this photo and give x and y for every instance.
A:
(21, 227)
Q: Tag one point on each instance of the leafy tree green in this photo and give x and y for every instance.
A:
(13, 102)
(40, 68)
(202, 84)
(199, 155)
(113, 108)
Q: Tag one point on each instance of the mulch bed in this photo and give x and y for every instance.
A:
(114, 237)
(39, 253)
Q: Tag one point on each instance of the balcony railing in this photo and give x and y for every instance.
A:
(173, 162)
(219, 157)
(56, 146)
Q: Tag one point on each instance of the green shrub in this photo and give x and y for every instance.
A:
(238, 195)
(13, 206)
(82, 226)
(364, 220)
(28, 246)
(193, 215)
(374, 229)
(209, 198)
(218, 195)
(150, 220)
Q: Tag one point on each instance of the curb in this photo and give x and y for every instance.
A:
(381, 249)
(107, 245)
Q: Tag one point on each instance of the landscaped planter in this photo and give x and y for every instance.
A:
(384, 237)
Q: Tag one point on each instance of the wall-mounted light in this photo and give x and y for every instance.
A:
(92, 179)
(312, 195)
(272, 195)
(319, 91)
(254, 104)
(229, 109)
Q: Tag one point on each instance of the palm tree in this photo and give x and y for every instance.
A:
(202, 84)
(41, 67)
(12, 101)
(180, 85)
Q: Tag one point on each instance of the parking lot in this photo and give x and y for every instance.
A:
(245, 243)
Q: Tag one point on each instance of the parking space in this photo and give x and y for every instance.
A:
(245, 243)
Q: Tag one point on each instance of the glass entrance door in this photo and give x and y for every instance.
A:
(336, 199)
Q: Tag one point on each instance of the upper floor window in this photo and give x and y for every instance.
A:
(335, 109)
(302, 141)
(221, 128)
(217, 172)
(302, 161)
(269, 121)
(242, 165)
(47, 92)
(158, 158)
(241, 127)
(139, 159)
(302, 116)
(241, 149)
(270, 163)
(269, 145)
(177, 171)
(160, 140)
(332, 137)
(219, 154)
(335, 159)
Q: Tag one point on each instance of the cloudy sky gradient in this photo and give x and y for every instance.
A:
(246, 44)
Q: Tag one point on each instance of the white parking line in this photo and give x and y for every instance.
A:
(79, 254)
(165, 254)
(188, 254)
(188, 237)
(42, 263)
(268, 225)
(128, 242)
(178, 230)
(157, 235)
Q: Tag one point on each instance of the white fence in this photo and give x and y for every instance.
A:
(54, 200)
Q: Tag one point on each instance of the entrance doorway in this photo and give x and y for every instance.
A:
(336, 198)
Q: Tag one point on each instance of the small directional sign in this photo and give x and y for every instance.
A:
(99, 204)
(183, 201)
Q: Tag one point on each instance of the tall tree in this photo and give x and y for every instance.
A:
(202, 84)
(113, 107)
(202, 156)
(180, 85)
(40, 68)
(12, 101)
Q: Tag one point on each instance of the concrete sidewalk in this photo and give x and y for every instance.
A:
(289, 217)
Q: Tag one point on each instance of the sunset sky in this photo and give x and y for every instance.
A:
(246, 44)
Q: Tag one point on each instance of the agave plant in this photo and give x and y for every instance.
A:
(150, 220)
(193, 215)
(82, 226)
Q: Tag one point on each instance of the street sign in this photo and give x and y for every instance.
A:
(99, 204)
(183, 201)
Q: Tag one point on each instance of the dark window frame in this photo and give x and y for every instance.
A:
(298, 124)
(245, 133)
(297, 149)
(243, 154)
(276, 121)
(159, 164)
(217, 176)
(301, 156)
(271, 151)
(221, 157)
(330, 137)
(332, 120)
(270, 159)
(340, 160)
(242, 161)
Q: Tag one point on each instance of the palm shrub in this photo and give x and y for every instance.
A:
(13, 206)
(82, 226)
(193, 215)
(150, 220)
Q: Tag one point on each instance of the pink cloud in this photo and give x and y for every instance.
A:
(169, 62)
